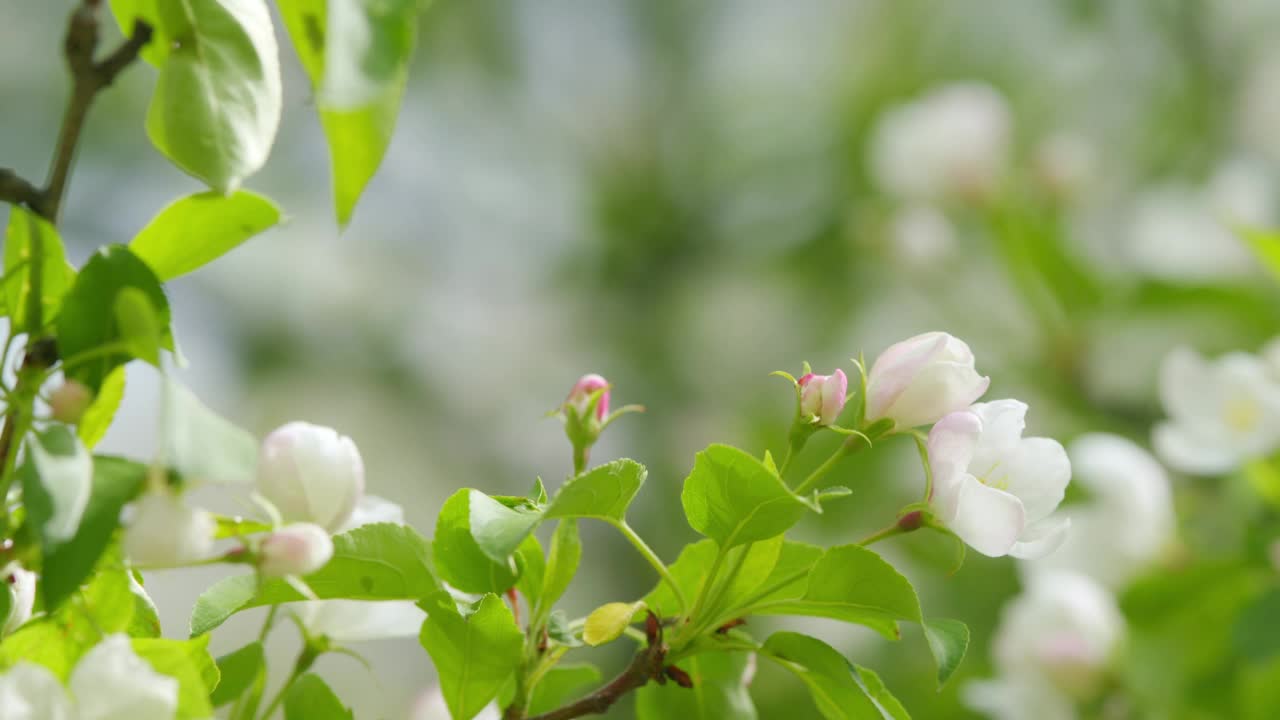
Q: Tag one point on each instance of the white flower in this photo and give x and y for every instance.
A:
(311, 474)
(1065, 163)
(1018, 697)
(374, 509)
(917, 381)
(112, 683)
(163, 531)
(1127, 522)
(952, 142)
(1221, 413)
(30, 692)
(1271, 356)
(295, 549)
(430, 705)
(994, 488)
(922, 236)
(22, 593)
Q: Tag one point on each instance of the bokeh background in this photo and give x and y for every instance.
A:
(685, 195)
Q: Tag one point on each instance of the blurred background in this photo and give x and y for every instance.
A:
(685, 196)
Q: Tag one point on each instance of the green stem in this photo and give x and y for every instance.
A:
(825, 467)
(268, 623)
(580, 459)
(922, 446)
(888, 532)
(648, 553)
(714, 599)
(279, 698)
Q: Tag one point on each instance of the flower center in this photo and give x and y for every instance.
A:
(1241, 414)
(1000, 483)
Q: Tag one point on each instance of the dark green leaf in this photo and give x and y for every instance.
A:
(198, 229)
(831, 680)
(311, 699)
(139, 325)
(239, 670)
(719, 691)
(26, 230)
(475, 654)
(603, 493)
(733, 498)
(948, 641)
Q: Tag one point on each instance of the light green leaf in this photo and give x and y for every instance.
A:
(475, 654)
(532, 566)
(889, 705)
(198, 229)
(719, 691)
(127, 12)
(26, 230)
(202, 445)
(948, 641)
(239, 670)
(98, 416)
(607, 622)
(689, 570)
(311, 699)
(357, 55)
(831, 680)
(217, 101)
(190, 662)
(733, 498)
(458, 556)
(44, 643)
(603, 493)
(145, 622)
(498, 530)
(1266, 245)
(562, 562)
(139, 326)
(380, 561)
(88, 322)
(853, 584)
(67, 562)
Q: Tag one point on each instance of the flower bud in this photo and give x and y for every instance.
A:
(164, 532)
(823, 396)
(580, 396)
(311, 474)
(297, 549)
(917, 381)
(22, 591)
(111, 682)
(69, 402)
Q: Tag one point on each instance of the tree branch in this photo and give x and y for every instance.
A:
(17, 191)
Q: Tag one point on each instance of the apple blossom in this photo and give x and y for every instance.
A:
(163, 531)
(296, 549)
(1128, 520)
(917, 381)
(1221, 413)
(921, 236)
(22, 591)
(311, 474)
(112, 683)
(823, 396)
(30, 692)
(992, 487)
(69, 401)
(580, 396)
(952, 142)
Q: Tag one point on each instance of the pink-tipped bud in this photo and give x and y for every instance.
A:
(580, 396)
(69, 402)
(823, 396)
(297, 549)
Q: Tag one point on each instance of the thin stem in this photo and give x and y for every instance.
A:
(714, 599)
(580, 459)
(268, 623)
(824, 468)
(653, 559)
(922, 447)
(708, 582)
(279, 698)
(877, 536)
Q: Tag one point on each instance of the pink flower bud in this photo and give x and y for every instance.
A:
(580, 396)
(823, 396)
(69, 402)
(297, 549)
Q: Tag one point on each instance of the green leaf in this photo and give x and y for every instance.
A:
(889, 705)
(562, 562)
(561, 684)
(198, 229)
(1255, 636)
(128, 11)
(202, 445)
(606, 623)
(88, 319)
(67, 562)
(853, 584)
(43, 642)
(475, 654)
(139, 325)
(690, 570)
(733, 498)
(358, 63)
(603, 493)
(719, 691)
(238, 670)
(498, 530)
(190, 662)
(948, 641)
(459, 559)
(379, 561)
(26, 230)
(145, 622)
(1266, 245)
(65, 481)
(533, 568)
(311, 699)
(98, 416)
(832, 681)
(217, 101)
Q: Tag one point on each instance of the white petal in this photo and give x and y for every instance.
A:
(1186, 387)
(1185, 450)
(1042, 538)
(348, 621)
(1002, 424)
(112, 683)
(988, 520)
(30, 692)
(896, 367)
(1036, 472)
(950, 446)
(375, 509)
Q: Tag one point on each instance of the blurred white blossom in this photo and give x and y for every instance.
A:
(431, 706)
(112, 683)
(994, 488)
(1221, 412)
(21, 584)
(1054, 645)
(1065, 163)
(953, 142)
(1271, 356)
(1128, 520)
(921, 236)
(163, 531)
(30, 692)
